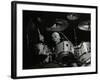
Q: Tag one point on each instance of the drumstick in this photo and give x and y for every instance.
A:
(66, 37)
(41, 38)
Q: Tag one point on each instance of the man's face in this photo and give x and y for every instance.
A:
(56, 37)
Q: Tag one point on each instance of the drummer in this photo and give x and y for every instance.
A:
(68, 59)
(56, 37)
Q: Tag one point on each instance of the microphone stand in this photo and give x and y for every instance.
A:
(75, 37)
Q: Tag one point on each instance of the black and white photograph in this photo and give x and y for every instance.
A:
(53, 39)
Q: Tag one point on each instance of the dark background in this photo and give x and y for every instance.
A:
(32, 20)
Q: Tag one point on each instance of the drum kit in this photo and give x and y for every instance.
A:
(82, 51)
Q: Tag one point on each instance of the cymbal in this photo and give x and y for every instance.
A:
(59, 25)
(72, 16)
(84, 26)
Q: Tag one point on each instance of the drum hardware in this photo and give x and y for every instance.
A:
(75, 37)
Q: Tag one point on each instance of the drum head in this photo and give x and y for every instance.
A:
(66, 57)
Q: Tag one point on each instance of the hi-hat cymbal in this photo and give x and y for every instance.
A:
(59, 25)
(84, 26)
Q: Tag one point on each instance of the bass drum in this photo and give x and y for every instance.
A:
(85, 53)
(64, 52)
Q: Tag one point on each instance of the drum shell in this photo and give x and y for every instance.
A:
(65, 46)
(66, 57)
(84, 52)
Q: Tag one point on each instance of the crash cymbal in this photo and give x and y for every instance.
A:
(84, 26)
(59, 25)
